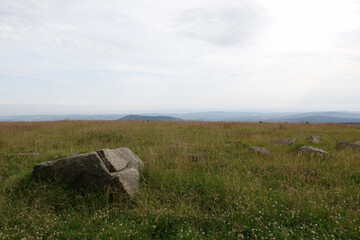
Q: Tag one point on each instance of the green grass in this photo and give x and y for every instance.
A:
(228, 194)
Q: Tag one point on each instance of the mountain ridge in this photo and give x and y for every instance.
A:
(210, 116)
(148, 118)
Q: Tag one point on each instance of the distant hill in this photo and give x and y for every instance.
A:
(317, 119)
(234, 116)
(312, 117)
(349, 115)
(321, 117)
(149, 118)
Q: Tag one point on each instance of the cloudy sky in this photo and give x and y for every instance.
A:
(121, 56)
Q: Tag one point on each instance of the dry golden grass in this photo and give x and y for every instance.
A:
(223, 192)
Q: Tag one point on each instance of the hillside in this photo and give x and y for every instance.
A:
(324, 117)
(200, 182)
(312, 117)
(319, 119)
(148, 118)
(228, 116)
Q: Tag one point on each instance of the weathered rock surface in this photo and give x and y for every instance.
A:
(119, 168)
(345, 144)
(283, 141)
(357, 143)
(309, 149)
(314, 139)
(260, 150)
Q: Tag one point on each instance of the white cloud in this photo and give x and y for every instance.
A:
(180, 54)
(223, 23)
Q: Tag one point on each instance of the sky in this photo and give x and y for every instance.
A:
(129, 56)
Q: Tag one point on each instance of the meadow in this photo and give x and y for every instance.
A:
(200, 182)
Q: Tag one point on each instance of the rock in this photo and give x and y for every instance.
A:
(30, 154)
(129, 179)
(260, 150)
(357, 143)
(283, 141)
(314, 139)
(309, 149)
(345, 144)
(119, 168)
(74, 153)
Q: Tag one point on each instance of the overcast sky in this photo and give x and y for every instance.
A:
(63, 56)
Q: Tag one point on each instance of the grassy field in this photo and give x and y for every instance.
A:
(227, 193)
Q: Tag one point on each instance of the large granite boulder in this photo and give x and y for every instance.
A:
(119, 168)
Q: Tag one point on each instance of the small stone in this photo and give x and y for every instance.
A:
(345, 144)
(309, 149)
(260, 150)
(314, 139)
